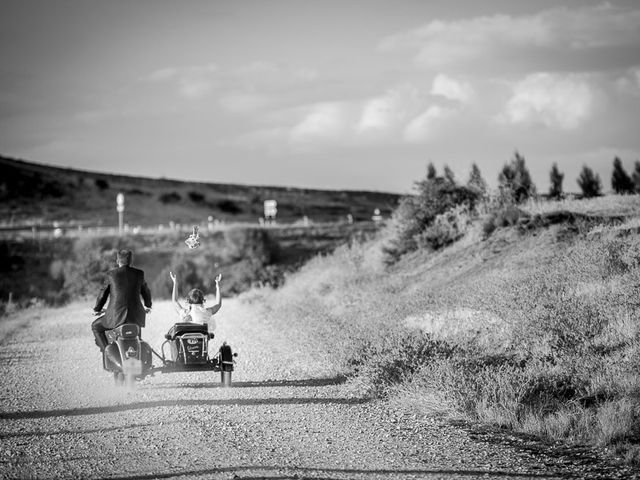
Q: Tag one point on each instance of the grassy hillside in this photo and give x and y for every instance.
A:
(533, 328)
(31, 192)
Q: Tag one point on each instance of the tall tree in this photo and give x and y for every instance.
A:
(515, 178)
(476, 182)
(620, 180)
(555, 177)
(589, 183)
(431, 171)
(636, 177)
(449, 176)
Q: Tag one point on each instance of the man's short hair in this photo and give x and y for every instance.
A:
(124, 257)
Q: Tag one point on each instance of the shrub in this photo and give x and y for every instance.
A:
(392, 357)
(170, 197)
(229, 206)
(416, 213)
(446, 228)
(196, 197)
(101, 183)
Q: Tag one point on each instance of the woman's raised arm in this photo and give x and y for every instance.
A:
(216, 306)
(174, 294)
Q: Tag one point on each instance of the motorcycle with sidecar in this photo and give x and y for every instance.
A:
(130, 358)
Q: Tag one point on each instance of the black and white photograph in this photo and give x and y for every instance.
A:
(319, 239)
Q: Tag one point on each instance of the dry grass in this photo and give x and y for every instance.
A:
(605, 205)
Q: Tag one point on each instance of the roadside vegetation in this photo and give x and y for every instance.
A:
(499, 308)
(53, 271)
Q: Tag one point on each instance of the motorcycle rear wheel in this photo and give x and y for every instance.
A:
(118, 378)
(225, 378)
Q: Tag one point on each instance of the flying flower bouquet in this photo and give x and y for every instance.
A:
(192, 241)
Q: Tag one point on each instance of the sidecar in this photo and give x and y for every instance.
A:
(186, 348)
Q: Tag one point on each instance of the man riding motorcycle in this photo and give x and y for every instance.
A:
(125, 285)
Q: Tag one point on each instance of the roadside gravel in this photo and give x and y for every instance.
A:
(288, 415)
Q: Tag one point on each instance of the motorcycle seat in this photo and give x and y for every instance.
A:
(128, 330)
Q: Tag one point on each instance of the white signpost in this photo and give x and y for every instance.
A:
(120, 210)
(270, 211)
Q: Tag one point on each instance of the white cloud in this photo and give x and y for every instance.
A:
(192, 82)
(629, 82)
(387, 112)
(194, 87)
(244, 102)
(323, 121)
(162, 74)
(441, 42)
(422, 128)
(451, 89)
(271, 73)
(554, 100)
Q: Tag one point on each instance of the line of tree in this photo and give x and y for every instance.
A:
(514, 180)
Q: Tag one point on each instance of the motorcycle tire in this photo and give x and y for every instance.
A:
(225, 378)
(118, 378)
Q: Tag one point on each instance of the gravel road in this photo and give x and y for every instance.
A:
(288, 415)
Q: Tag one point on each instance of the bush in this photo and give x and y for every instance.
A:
(229, 206)
(101, 183)
(507, 216)
(446, 228)
(416, 213)
(196, 197)
(170, 197)
(389, 359)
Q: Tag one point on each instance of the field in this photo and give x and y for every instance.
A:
(533, 329)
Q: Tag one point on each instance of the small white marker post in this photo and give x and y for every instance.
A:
(120, 210)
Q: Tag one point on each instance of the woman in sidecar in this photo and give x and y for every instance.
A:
(195, 311)
(188, 339)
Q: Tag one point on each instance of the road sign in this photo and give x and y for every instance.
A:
(270, 209)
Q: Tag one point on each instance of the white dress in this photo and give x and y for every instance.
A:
(198, 314)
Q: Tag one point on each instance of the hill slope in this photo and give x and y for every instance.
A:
(534, 329)
(31, 192)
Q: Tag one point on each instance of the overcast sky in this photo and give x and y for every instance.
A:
(355, 94)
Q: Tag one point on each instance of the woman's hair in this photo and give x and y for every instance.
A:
(195, 296)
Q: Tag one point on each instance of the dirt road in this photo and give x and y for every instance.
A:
(289, 415)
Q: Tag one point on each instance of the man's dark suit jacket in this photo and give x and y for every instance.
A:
(125, 285)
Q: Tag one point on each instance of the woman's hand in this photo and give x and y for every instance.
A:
(218, 278)
(173, 276)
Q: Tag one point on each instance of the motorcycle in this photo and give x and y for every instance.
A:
(130, 358)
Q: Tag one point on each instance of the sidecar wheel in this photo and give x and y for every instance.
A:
(118, 378)
(225, 378)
